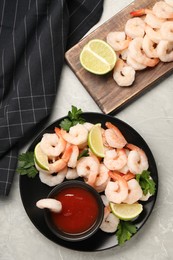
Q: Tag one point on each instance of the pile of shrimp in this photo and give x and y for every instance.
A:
(112, 176)
(146, 40)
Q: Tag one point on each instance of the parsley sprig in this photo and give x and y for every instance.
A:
(26, 165)
(74, 117)
(125, 231)
(146, 182)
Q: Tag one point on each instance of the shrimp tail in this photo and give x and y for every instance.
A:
(140, 12)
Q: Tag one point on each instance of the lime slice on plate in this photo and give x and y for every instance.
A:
(126, 211)
(41, 158)
(95, 141)
(98, 57)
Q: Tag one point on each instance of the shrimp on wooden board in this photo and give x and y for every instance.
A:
(110, 221)
(149, 47)
(135, 27)
(114, 137)
(61, 162)
(50, 203)
(165, 51)
(134, 64)
(169, 2)
(140, 12)
(135, 49)
(53, 179)
(153, 34)
(134, 192)
(137, 160)
(153, 21)
(52, 145)
(123, 74)
(163, 10)
(115, 159)
(117, 190)
(117, 40)
(77, 135)
(88, 168)
(102, 178)
(166, 31)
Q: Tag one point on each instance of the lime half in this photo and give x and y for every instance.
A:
(98, 57)
(126, 211)
(41, 158)
(95, 141)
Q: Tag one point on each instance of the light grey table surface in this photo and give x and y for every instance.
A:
(152, 116)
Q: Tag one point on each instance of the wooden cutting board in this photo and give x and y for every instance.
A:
(107, 94)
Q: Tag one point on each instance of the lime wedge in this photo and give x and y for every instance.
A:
(126, 211)
(98, 57)
(95, 141)
(41, 158)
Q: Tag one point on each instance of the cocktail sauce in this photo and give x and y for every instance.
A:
(79, 210)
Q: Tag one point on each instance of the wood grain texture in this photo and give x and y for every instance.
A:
(107, 94)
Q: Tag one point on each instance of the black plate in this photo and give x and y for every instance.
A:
(32, 190)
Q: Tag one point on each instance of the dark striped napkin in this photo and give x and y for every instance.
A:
(34, 35)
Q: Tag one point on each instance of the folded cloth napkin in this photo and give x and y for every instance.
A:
(34, 35)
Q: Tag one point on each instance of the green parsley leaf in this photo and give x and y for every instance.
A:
(26, 164)
(146, 182)
(74, 117)
(125, 231)
(84, 153)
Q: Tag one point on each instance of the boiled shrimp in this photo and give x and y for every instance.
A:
(72, 162)
(134, 192)
(166, 31)
(102, 178)
(114, 137)
(169, 2)
(88, 125)
(145, 197)
(135, 27)
(137, 160)
(71, 174)
(153, 34)
(52, 145)
(165, 51)
(60, 163)
(116, 191)
(135, 49)
(154, 21)
(140, 12)
(49, 203)
(88, 167)
(77, 135)
(123, 74)
(149, 47)
(134, 64)
(163, 10)
(117, 40)
(110, 221)
(115, 159)
(53, 179)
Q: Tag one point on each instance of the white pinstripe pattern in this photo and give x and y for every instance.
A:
(42, 78)
(30, 86)
(77, 9)
(3, 8)
(31, 90)
(53, 54)
(85, 19)
(3, 80)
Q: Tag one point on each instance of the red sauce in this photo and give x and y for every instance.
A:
(79, 210)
